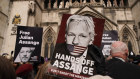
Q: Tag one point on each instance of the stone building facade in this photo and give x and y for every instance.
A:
(4, 13)
(118, 14)
(135, 8)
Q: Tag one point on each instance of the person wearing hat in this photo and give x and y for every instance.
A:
(25, 71)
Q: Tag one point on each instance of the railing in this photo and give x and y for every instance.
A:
(69, 3)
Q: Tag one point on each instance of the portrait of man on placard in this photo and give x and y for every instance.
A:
(24, 54)
(106, 50)
(74, 51)
(109, 36)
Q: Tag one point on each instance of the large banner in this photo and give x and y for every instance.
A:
(107, 39)
(28, 44)
(78, 39)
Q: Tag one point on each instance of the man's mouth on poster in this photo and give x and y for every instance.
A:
(76, 50)
(24, 59)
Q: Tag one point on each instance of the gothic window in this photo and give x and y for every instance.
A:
(46, 50)
(130, 47)
(49, 45)
(125, 35)
(49, 36)
(52, 49)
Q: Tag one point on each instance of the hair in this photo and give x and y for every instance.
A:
(29, 75)
(118, 46)
(88, 21)
(25, 71)
(99, 77)
(7, 70)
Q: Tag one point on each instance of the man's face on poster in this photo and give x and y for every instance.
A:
(106, 50)
(78, 34)
(25, 53)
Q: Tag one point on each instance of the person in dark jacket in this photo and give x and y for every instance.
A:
(118, 67)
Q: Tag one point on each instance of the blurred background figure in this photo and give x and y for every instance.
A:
(7, 70)
(37, 65)
(136, 60)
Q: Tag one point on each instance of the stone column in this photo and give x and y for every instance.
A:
(55, 4)
(115, 3)
(84, 1)
(122, 3)
(49, 6)
(80, 1)
(91, 1)
(70, 2)
(101, 2)
(108, 3)
(49, 50)
(62, 3)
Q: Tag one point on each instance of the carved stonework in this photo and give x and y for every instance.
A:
(31, 10)
(55, 4)
(67, 4)
(84, 1)
(61, 5)
(16, 19)
(14, 30)
(108, 3)
(49, 36)
(76, 4)
(135, 28)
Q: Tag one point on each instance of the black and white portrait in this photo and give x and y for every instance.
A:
(24, 54)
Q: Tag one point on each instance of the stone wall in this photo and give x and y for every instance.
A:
(136, 13)
(4, 8)
(17, 8)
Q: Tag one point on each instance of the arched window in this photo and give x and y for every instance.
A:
(130, 47)
(52, 49)
(49, 42)
(46, 50)
(125, 35)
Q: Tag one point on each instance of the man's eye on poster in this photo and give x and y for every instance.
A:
(77, 53)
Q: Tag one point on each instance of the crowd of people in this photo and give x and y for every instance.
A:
(119, 65)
